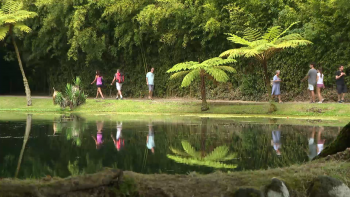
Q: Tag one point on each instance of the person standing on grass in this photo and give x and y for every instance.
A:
(276, 83)
(341, 86)
(312, 77)
(150, 83)
(119, 78)
(320, 85)
(99, 83)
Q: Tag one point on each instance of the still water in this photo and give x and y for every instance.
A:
(70, 144)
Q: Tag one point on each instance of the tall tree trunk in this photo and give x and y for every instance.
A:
(25, 81)
(338, 145)
(204, 95)
(25, 139)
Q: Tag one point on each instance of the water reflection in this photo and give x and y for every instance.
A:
(25, 139)
(118, 141)
(99, 135)
(202, 145)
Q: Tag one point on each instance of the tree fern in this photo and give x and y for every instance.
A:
(217, 154)
(192, 75)
(251, 34)
(191, 162)
(189, 149)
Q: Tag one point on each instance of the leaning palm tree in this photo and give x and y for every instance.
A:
(25, 139)
(214, 159)
(263, 47)
(210, 69)
(11, 17)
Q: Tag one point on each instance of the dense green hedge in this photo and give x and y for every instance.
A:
(76, 37)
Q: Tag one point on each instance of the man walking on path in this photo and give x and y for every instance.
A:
(150, 83)
(312, 79)
(120, 80)
(341, 86)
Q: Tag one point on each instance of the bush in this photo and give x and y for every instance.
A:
(73, 95)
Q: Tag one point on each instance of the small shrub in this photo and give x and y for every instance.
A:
(73, 95)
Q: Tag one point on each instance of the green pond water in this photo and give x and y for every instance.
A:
(68, 145)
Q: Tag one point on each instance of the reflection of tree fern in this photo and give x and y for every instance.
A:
(190, 161)
(211, 160)
(190, 150)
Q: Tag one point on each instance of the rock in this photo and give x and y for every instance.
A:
(324, 186)
(247, 192)
(276, 188)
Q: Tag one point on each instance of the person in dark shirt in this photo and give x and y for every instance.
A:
(341, 86)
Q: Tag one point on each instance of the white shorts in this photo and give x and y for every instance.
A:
(311, 87)
(119, 86)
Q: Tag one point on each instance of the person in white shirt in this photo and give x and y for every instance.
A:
(320, 85)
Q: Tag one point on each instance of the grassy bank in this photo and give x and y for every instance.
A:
(181, 107)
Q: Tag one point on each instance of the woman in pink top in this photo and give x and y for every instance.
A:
(98, 79)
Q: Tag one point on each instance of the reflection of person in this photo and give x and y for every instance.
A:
(150, 139)
(320, 142)
(312, 145)
(276, 84)
(276, 140)
(99, 137)
(118, 141)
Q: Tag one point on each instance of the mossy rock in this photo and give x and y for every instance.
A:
(324, 186)
(247, 192)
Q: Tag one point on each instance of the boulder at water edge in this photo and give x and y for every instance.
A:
(276, 188)
(324, 186)
(247, 192)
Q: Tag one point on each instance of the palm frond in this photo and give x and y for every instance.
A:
(192, 162)
(179, 74)
(194, 74)
(189, 149)
(272, 33)
(238, 40)
(217, 154)
(217, 61)
(178, 152)
(3, 32)
(218, 74)
(182, 66)
(227, 69)
(251, 34)
(22, 27)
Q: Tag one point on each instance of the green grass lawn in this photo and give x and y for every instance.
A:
(17, 104)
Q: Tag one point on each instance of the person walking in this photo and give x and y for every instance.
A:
(99, 83)
(320, 85)
(119, 78)
(150, 83)
(276, 83)
(312, 77)
(341, 86)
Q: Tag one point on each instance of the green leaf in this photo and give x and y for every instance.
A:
(217, 154)
(178, 152)
(194, 74)
(190, 161)
(218, 74)
(178, 74)
(190, 150)
(3, 32)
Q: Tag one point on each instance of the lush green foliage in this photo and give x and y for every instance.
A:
(73, 37)
(73, 97)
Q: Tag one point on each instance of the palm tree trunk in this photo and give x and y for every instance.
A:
(204, 95)
(267, 77)
(25, 81)
(25, 139)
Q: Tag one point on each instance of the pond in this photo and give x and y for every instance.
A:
(66, 145)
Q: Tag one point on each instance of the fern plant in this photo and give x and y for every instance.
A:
(263, 47)
(214, 159)
(214, 69)
(12, 17)
(73, 96)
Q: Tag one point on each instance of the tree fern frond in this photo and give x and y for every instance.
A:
(178, 152)
(190, 161)
(22, 27)
(190, 77)
(227, 69)
(218, 74)
(217, 154)
(293, 44)
(257, 43)
(272, 33)
(178, 74)
(285, 31)
(189, 149)
(251, 34)
(238, 40)
(3, 32)
(229, 157)
(289, 37)
(217, 61)
(182, 66)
